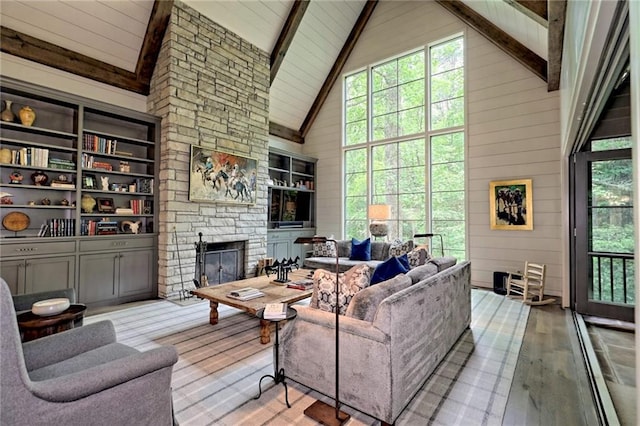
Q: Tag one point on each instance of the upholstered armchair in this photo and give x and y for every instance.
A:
(23, 302)
(80, 376)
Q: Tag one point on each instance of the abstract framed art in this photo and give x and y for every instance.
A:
(511, 204)
(222, 177)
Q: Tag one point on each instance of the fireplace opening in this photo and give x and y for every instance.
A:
(218, 263)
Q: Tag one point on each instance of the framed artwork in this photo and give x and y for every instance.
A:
(222, 177)
(105, 205)
(89, 181)
(511, 204)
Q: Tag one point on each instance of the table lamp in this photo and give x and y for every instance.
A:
(319, 411)
(378, 214)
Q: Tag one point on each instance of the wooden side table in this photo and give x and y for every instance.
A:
(33, 326)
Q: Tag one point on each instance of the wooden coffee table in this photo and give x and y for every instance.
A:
(273, 293)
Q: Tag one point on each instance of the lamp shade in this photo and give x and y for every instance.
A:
(379, 211)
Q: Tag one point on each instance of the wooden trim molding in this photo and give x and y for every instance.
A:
(289, 29)
(336, 69)
(557, 16)
(501, 39)
(27, 47)
(285, 133)
(156, 28)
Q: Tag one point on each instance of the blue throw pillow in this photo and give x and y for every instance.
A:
(387, 270)
(360, 250)
(404, 260)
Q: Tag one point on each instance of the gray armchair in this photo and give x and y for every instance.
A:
(80, 376)
(23, 302)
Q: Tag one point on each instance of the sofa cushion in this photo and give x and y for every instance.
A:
(326, 249)
(360, 250)
(421, 272)
(398, 248)
(350, 282)
(388, 269)
(365, 303)
(418, 256)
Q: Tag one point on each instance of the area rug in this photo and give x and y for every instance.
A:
(217, 374)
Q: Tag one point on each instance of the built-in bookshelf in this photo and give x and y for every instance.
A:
(78, 196)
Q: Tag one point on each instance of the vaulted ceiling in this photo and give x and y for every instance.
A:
(117, 42)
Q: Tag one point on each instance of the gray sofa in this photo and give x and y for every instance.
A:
(379, 253)
(393, 336)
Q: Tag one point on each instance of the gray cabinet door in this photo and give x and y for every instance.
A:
(135, 273)
(52, 273)
(13, 273)
(98, 277)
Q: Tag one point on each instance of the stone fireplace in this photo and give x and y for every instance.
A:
(211, 89)
(218, 263)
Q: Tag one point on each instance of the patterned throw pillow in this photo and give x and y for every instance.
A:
(418, 256)
(326, 249)
(398, 248)
(324, 287)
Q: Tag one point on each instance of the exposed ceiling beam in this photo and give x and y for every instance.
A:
(285, 133)
(504, 41)
(33, 49)
(534, 9)
(289, 29)
(157, 26)
(557, 13)
(336, 69)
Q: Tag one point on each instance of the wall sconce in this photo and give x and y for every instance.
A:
(378, 214)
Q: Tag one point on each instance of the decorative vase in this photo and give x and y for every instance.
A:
(87, 203)
(5, 156)
(7, 114)
(39, 178)
(27, 115)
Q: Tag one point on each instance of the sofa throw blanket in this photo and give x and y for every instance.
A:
(324, 287)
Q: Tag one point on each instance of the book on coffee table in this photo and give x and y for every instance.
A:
(246, 293)
(303, 284)
(275, 311)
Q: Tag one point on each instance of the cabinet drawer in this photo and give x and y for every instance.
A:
(278, 235)
(38, 248)
(116, 244)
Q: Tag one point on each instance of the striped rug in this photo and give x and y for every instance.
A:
(219, 367)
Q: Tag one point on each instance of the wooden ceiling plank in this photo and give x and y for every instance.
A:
(285, 38)
(285, 133)
(156, 28)
(42, 52)
(336, 69)
(557, 14)
(538, 10)
(501, 39)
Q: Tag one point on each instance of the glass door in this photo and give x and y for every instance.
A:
(604, 235)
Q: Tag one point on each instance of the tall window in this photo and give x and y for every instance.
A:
(392, 157)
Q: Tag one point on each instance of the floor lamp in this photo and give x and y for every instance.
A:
(431, 237)
(319, 411)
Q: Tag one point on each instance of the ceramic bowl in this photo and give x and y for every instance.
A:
(45, 308)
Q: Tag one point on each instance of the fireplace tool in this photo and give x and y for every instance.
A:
(201, 250)
(282, 269)
(184, 293)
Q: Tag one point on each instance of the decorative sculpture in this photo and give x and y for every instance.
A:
(282, 269)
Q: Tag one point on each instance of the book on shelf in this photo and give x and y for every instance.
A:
(246, 293)
(61, 184)
(275, 311)
(124, 210)
(303, 284)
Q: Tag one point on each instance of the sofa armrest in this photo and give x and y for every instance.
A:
(99, 378)
(58, 347)
(347, 324)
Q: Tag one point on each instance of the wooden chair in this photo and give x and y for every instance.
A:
(530, 285)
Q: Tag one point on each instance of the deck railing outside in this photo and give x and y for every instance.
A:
(612, 277)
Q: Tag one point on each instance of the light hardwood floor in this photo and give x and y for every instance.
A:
(550, 386)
